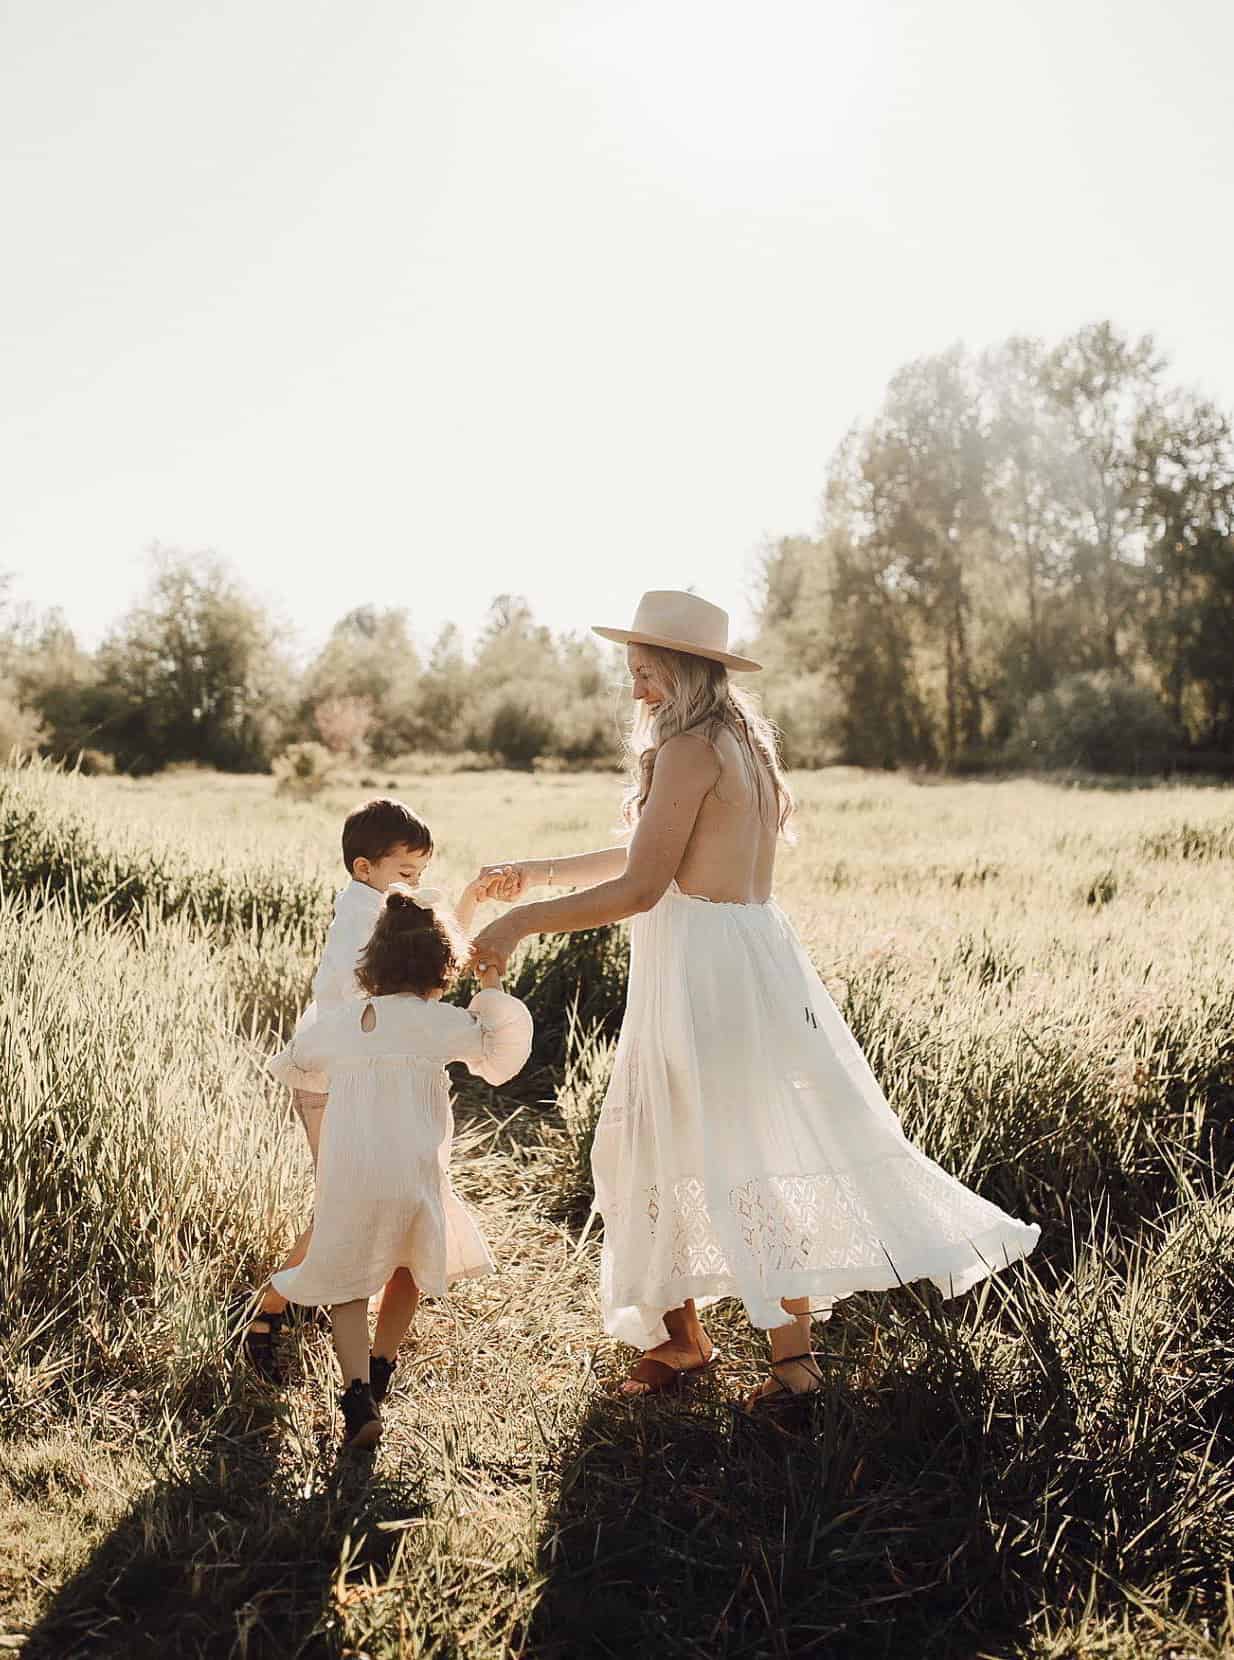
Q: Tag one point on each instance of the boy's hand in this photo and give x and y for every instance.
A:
(483, 887)
(508, 882)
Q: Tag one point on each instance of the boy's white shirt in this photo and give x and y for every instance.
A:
(356, 909)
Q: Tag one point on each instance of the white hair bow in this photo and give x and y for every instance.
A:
(428, 899)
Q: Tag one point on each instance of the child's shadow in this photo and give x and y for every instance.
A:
(238, 1555)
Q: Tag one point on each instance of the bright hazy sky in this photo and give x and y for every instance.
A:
(415, 303)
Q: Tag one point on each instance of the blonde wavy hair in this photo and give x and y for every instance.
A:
(698, 697)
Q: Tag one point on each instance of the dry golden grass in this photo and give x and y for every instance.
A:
(1041, 977)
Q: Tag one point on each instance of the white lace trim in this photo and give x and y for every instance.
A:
(785, 1224)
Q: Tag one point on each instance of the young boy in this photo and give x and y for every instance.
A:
(383, 842)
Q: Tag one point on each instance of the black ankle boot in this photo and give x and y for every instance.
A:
(361, 1418)
(261, 1346)
(380, 1371)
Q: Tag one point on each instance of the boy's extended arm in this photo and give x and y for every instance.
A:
(465, 910)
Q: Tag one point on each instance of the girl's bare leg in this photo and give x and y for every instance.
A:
(350, 1324)
(688, 1345)
(310, 1109)
(399, 1302)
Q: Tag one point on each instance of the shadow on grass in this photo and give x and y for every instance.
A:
(244, 1553)
(864, 1524)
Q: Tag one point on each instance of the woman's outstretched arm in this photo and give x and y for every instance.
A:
(571, 870)
(686, 769)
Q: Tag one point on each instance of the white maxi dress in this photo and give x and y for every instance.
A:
(384, 1199)
(745, 1148)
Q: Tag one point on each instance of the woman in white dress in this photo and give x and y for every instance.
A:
(744, 1147)
(384, 1203)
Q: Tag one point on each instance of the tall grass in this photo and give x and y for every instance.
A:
(52, 844)
(145, 1168)
(1043, 1469)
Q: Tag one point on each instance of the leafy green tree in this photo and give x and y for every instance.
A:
(925, 463)
(369, 656)
(60, 682)
(1003, 525)
(192, 673)
(444, 696)
(518, 685)
(1186, 459)
(1035, 501)
(587, 724)
(1104, 387)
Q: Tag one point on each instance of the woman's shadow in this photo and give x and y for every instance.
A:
(860, 1525)
(238, 1554)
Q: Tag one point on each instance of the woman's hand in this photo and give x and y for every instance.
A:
(494, 946)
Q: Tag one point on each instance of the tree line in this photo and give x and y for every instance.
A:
(1026, 557)
(197, 672)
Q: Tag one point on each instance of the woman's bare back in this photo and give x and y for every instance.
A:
(731, 853)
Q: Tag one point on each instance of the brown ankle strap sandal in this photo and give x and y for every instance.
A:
(657, 1376)
(789, 1390)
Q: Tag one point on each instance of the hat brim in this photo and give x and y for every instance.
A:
(629, 636)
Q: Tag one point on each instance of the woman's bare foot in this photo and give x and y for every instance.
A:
(787, 1379)
(680, 1360)
(793, 1370)
(687, 1349)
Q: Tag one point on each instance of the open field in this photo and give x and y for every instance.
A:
(1041, 976)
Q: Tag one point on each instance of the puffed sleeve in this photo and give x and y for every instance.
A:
(304, 1062)
(497, 1041)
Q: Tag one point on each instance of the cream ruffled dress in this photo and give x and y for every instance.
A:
(745, 1148)
(383, 1198)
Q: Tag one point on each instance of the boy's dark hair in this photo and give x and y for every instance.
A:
(411, 948)
(377, 827)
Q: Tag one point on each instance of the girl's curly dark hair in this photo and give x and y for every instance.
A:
(413, 948)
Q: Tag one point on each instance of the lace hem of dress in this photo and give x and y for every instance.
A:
(805, 1223)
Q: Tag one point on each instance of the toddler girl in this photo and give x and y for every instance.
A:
(384, 1203)
(384, 841)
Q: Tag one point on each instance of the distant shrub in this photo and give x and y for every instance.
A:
(519, 730)
(587, 730)
(345, 724)
(1101, 890)
(806, 710)
(1198, 842)
(21, 731)
(303, 771)
(1102, 722)
(425, 763)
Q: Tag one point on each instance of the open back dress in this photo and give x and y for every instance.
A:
(745, 1148)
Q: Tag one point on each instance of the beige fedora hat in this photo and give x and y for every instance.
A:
(682, 622)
